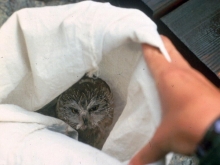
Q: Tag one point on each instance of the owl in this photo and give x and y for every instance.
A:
(87, 106)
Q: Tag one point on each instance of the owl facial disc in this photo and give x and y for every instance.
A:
(87, 106)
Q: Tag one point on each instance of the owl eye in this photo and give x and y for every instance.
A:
(94, 108)
(74, 110)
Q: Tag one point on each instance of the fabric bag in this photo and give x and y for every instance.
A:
(46, 50)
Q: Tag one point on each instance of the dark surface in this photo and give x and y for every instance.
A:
(197, 24)
(156, 4)
(162, 7)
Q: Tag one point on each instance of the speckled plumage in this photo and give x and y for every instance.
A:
(87, 106)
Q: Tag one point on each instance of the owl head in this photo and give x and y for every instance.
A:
(88, 104)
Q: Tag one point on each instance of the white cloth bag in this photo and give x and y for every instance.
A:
(43, 51)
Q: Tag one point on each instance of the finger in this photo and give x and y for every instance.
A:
(153, 151)
(155, 60)
(175, 56)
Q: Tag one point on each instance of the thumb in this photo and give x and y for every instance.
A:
(154, 150)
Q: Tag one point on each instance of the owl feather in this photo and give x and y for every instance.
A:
(87, 106)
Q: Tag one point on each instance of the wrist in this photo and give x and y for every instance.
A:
(202, 120)
(208, 150)
(193, 126)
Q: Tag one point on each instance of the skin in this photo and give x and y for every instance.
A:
(190, 103)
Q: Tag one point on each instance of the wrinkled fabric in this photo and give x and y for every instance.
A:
(46, 50)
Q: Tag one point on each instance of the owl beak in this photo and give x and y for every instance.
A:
(85, 120)
(81, 126)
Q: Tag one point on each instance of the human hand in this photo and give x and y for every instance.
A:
(190, 103)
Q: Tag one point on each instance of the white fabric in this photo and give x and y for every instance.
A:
(43, 51)
(24, 140)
